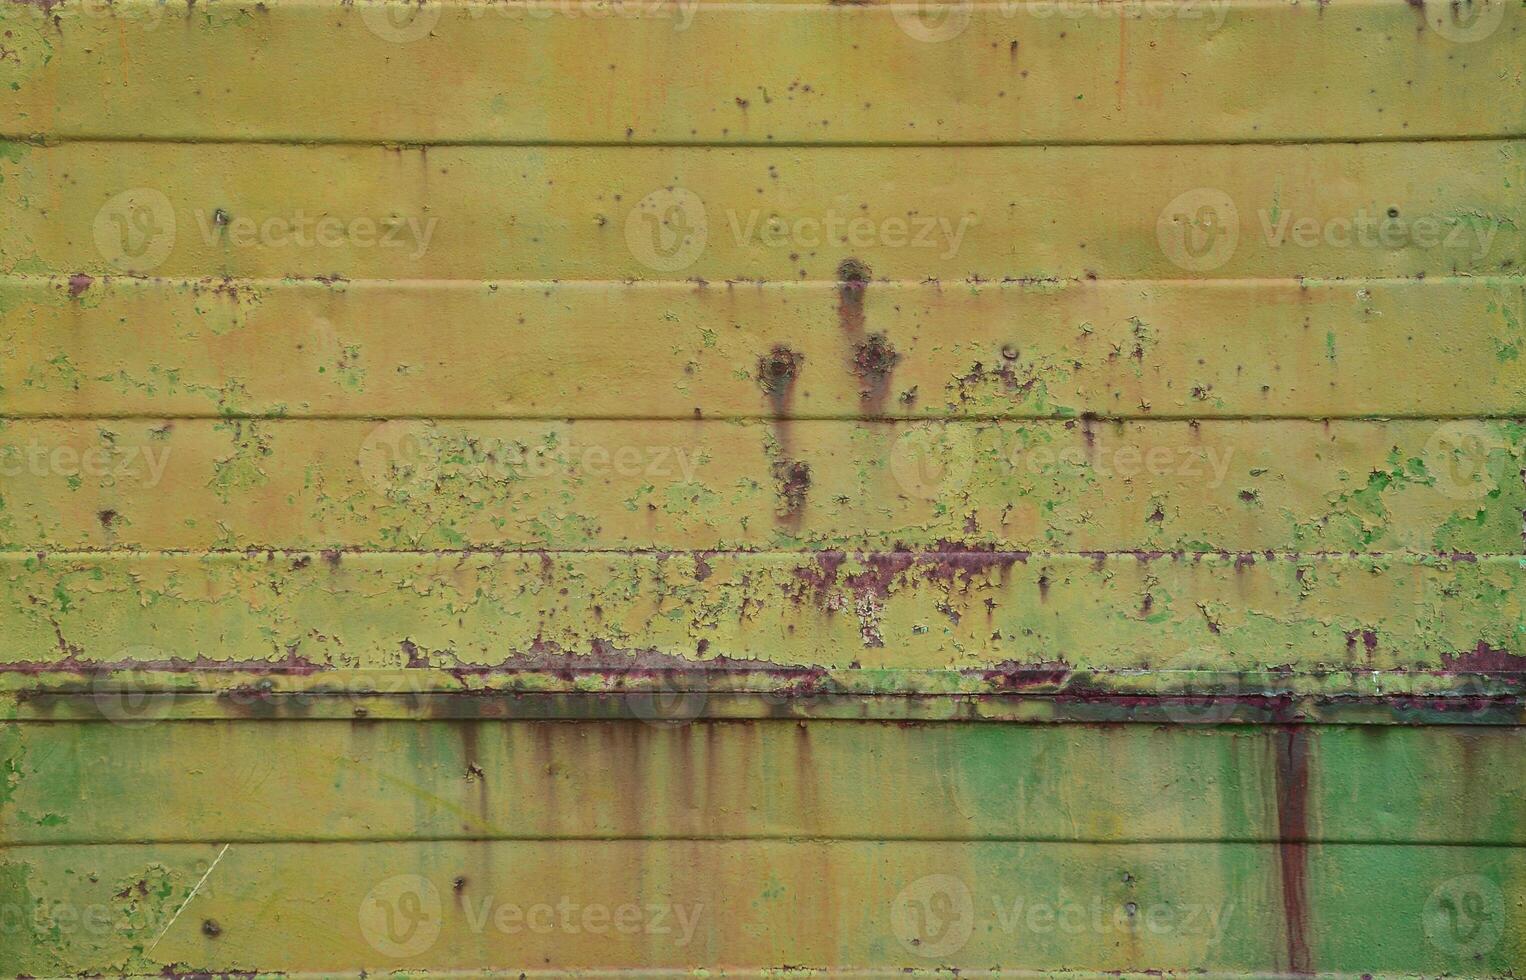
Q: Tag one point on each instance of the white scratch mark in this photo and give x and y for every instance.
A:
(188, 898)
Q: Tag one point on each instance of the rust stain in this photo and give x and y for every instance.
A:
(1486, 658)
(778, 371)
(852, 282)
(1292, 768)
(873, 360)
(794, 483)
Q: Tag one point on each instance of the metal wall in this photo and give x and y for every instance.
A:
(683, 487)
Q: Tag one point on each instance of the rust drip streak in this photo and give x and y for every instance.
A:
(1292, 764)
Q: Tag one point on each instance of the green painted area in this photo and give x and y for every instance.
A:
(891, 492)
(1153, 846)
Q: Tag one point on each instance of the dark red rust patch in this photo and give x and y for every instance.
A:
(852, 281)
(821, 578)
(874, 358)
(416, 657)
(853, 271)
(884, 569)
(613, 662)
(1367, 637)
(291, 664)
(1004, 374)
(956, 564)
(1010, 675)
(1292, 765)
(78, 283)
(777, 371)
(1485, 659)
(794, 482)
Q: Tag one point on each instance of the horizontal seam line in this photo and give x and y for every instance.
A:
(780, 838)
(761, 417)
(974, 552)
(51, 139)
(1036, 285)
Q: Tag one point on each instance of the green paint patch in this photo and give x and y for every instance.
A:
(241, 470)
(1508, 347)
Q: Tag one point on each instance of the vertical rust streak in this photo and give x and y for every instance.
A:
(850, 307)
(1292, 751)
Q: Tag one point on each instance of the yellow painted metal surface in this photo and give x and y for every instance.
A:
(1236, 486)
(682, 71)
(671, 488)
(218, 210)
(1174, 348)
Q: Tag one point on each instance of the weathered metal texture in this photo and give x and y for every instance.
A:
(758, 841)
(682, 71)
(471, 780)
(763, 489)
(979, 610)
(1077, 485)
(666, 904)
(1171, 349)
(754, 212)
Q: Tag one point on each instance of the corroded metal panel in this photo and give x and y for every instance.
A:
(707, 488)
(990, 613)
(1167, 349)
(410, 846)
(743, 779)
(1076, 485)
(618, 71)
(756, 212)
